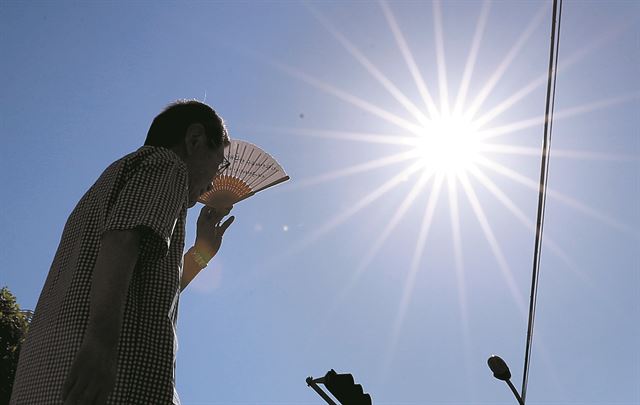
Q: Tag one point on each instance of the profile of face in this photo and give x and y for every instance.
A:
(202, 161)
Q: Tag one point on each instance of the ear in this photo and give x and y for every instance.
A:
(194, 138)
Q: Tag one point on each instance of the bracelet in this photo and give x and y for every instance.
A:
(199, 258)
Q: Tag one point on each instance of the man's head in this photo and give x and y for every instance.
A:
(198, 135)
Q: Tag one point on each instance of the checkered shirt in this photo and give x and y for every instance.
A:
(145, 190)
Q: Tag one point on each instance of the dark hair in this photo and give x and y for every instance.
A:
(169, 127)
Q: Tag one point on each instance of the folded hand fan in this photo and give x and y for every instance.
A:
(250, 170)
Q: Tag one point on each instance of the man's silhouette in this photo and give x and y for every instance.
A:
(104, 326)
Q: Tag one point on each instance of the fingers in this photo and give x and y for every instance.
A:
(76, 394)
(207, 210)
(84, 392)
(204, 210)
(226, 224)
(86, 386)
(68, 388)
(215, 215)
(222, 212)
(77, 389)
(96, 394)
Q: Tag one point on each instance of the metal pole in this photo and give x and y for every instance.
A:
(515, 392)
(548, 119)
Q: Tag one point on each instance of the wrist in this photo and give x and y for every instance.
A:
(205, 248)
(200, 256)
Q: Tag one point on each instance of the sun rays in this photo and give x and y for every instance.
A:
(448, 151)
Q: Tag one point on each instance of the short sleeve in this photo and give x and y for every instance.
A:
(151, 199)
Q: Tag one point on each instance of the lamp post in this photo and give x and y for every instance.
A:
(501, 372)
(497, 365)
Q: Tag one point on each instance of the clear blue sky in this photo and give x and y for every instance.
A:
(82, 82)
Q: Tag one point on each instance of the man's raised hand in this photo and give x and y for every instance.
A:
(210, 231)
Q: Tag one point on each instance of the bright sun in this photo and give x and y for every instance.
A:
(450, 145)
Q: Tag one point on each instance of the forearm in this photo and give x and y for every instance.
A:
(110, 283)
(190, 267)
(93, 371)
(208, 240)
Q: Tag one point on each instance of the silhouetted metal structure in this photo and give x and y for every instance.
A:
(497, 365)
(501, 372)
(27, 314)
(342, 387)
